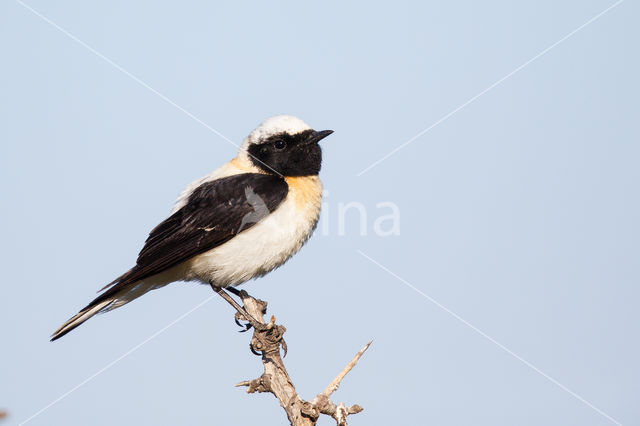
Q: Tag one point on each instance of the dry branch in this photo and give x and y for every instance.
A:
(266, 342)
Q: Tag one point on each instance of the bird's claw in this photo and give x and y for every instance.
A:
(240, 317)
(253, 350)
(268, 338)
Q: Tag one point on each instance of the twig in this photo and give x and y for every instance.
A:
(333, 386)
(323, 403)
(266, 342)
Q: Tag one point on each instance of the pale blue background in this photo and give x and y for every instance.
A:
(519, 213)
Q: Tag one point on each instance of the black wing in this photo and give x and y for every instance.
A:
(214, 213)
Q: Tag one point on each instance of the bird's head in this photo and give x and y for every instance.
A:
(286, 146)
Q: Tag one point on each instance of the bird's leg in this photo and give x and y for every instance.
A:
(234, 291)
(242, 295)
(239, 316)
(267, 338)
(241, 311)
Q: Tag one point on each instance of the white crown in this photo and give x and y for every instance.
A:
(274, 125)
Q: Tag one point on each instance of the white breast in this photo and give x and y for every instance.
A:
(266, 245)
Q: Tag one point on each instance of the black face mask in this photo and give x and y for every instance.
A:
(290, 155)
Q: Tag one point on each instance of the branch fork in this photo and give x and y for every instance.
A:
(266, 342)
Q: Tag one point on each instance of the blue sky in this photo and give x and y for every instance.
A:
(508, 296)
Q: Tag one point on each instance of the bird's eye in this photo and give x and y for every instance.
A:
(280, 144)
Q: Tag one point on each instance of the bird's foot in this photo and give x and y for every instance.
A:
(267, 338)
(243, 318)
(246, 326)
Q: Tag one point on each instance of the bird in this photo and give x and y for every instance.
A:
(237, 223)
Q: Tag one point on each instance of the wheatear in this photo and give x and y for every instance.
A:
(240, 222)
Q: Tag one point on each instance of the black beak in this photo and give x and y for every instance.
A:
(316, 137)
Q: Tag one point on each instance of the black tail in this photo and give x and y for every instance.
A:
(99, 304)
